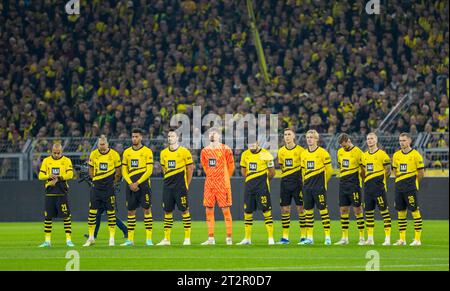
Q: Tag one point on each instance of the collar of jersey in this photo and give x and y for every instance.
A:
(106, 152)
(174, 149)
(407, 152)
(295, 145)
(349, 149)
(313, 150)
(137, 149)
(373, 152)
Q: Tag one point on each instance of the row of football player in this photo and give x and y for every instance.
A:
(305, 176)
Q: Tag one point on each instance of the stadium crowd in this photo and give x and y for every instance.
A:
(124, 64)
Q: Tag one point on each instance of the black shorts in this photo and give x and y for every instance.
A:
(257, 198)
(291, 190)
(406, 200)
(141, 198)
(175, 196)
(350, 198)
(373, 199)
(56, 206)
(103, 199)
(315, 197)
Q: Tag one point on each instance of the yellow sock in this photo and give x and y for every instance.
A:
(68, 236)
(148, 222)
(268, 221)
(417, 224)
(91, 222)
(344, 225)
(402, 224)
(48, 237)
(302, 222)
(168, 222)
(187, 225)
(370, 231)
(309, 223)
(111, 223)
(131, 227)
(285, 221)
(248, 218)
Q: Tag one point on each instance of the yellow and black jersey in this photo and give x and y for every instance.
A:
(137, 165)
(257, 166)
(406, 166)
(104, 166)
(374, 163)
(316, 168)
(349, 162)
(290, 162)
(61, 167)
(173, 163)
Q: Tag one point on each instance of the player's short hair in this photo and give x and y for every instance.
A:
(102, 138)
(289, 129)
(172, 130)
(314, 133)
(137, 130)
(343, 137)
(405, 134)
(214, 129)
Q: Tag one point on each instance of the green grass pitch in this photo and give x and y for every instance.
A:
(19, 251)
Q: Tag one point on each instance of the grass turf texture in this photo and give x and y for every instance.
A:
(19, 251)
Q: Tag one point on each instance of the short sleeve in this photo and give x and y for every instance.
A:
(188, 157)
(91, 159)
(419, 161)
(116, 160)
(326, 158)
(386, 159)
(243, 162)
(149, 157)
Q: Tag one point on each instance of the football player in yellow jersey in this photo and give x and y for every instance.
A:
(56, 170)
(375, 170)
(316, 171)
(104, 170)
(257, 167)
(137, 167)
(178, 168)
(409, 170)
(350, 182)
(291, 184)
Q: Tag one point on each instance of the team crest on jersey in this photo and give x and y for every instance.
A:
(252, 166)
(212, 162)
(103, 166)
(370, 167)
(345, 163)
(310, 165)
(288, 162)
(134, 163)
(403, 168)
(171, 164)
(55, 171)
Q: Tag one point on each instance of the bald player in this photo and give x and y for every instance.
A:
(56, 170)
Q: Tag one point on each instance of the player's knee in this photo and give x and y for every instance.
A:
(358, 210)
(285, 209)
(344, 210)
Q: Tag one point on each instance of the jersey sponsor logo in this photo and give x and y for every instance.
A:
(171, 164)
(369, 167)
(252, 166)
(345, 163)
(403, 168)
(288, 162)
(134, 163)
(55, 171)
(103, 166)
(212, 162)
(310, 165)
